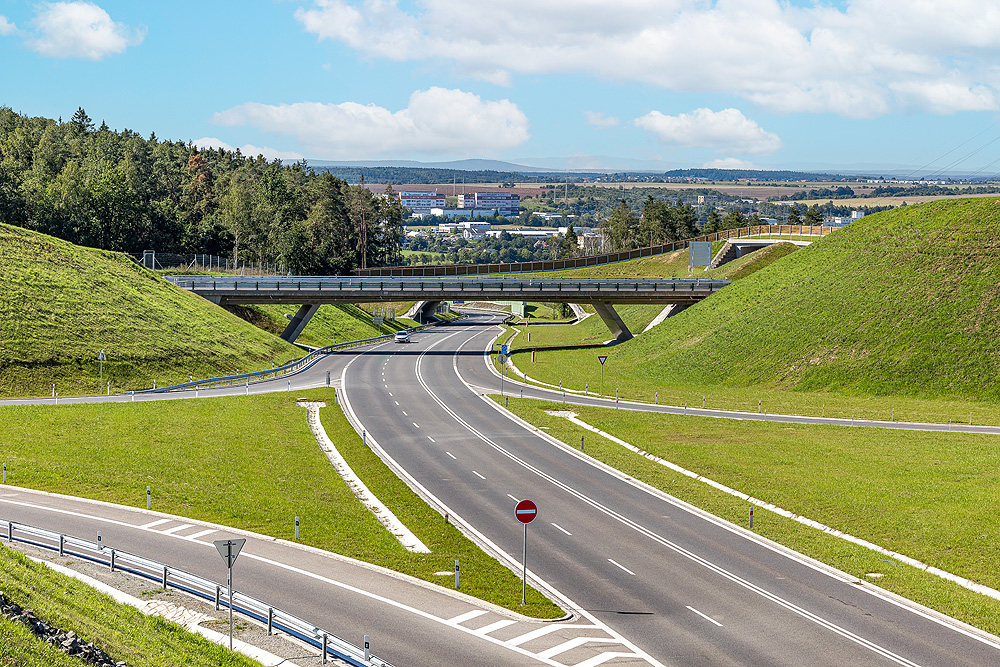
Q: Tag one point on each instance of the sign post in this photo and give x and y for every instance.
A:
(525, 512)
(602, 359)
(101, 359)
(503, 366)
(229, 550)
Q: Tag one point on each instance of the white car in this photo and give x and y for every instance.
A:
(402, 337)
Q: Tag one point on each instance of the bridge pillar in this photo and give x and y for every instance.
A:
(299, 321)
(614, 321)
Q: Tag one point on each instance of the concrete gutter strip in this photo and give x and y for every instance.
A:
(152, 609)
(385, 516)
(943, 574)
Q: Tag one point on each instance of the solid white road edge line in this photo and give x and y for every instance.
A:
(326, 580)
(804, 613)
(961, 581)
(892, 598)
(470, 531)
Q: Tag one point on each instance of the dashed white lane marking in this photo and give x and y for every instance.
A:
(477, 475)
(467, 616)
(416, 424)
(619, 565)
(404, 413)
(487, 629)
(390, 396)
(707, 618)
(516, 500)
(575, 643)
(541, 632)
(154, 523)
(431, 439)
(200, 533)
(558, 527)
(176, 529)
(451, 455)
(396, 402)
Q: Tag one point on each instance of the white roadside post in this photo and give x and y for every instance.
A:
(229, 550)
(525, 512)
(101, 359)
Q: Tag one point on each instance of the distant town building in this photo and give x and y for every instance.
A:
(421, 202)
(505, 203)
(462, 212)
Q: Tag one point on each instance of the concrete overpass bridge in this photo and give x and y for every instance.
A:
(311, 292)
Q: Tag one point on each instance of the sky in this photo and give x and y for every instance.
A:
(911, 86)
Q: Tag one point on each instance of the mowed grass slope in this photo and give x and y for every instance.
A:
(901, 303)
(62, 303)
(123, 632)
(250, 462)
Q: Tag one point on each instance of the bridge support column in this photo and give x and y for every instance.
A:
(614, 321)
(299, 321)
(422, 310)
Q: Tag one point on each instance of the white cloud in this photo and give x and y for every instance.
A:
(729, 163)
(80, 30)
(436, 121)
(856, 58)
(726, 131)
(6, 26)
(248, 150)
(599, 119)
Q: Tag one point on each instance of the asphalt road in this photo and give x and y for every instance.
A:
(652, 581)
(683, 587)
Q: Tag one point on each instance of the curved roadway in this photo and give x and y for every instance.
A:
(651, 580)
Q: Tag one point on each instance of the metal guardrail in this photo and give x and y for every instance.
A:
(287, 370)
(330, 644)
(592, 260)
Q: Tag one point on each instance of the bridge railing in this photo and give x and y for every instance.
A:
(592, 260)
(193, 584)
(220, 285)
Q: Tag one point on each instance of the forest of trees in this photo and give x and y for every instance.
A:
(102, 188)
(659, 223)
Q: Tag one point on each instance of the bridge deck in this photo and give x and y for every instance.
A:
(231, 290)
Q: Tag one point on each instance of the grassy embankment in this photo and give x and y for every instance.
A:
(62, 303)
(261, 449)
(341, 322)
(121, 631)
(891, 316)
(927, 495)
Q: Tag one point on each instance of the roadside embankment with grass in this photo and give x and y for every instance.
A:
(929, 496)
(890, 317)
(126, 634)
(340, 322)
(260, 451)
(61, 304)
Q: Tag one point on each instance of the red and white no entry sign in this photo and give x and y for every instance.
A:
(525, 511)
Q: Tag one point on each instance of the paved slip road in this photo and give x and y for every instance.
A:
(652, 581)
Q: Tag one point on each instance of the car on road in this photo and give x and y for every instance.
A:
(402, 337)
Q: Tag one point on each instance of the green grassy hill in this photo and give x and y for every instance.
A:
(60, 304)
(903, 302)
(342, 322)
(755, 261)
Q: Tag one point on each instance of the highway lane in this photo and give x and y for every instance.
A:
(650, 569)
(410, 622)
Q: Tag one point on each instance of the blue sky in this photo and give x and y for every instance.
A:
(858, 84)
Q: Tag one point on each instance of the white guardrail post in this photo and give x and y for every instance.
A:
(195, 585)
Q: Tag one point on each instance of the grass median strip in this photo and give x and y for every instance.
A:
(249, 462)
(121, 631)
(926, 495)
